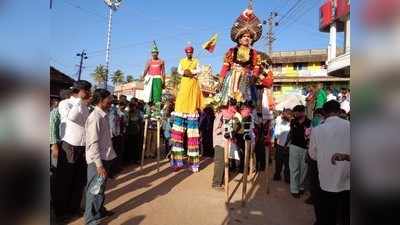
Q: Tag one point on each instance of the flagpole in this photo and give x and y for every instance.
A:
(108, 46)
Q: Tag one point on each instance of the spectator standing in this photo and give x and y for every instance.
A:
(219, 162)
(71, 164)
(115, 118)
(320, 96)
(281, 131)
(99, 153)
(329, 138)
(310, 102)
(297, 150)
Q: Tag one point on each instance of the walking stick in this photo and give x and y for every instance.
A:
(246, 170)
(158, 145)
(144, 141)
(226, 168)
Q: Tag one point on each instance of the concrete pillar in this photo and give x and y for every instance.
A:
(332, 42)
(347, 35)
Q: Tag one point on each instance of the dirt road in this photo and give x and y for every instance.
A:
(183, 198)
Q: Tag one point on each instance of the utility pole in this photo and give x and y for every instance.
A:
(113, 6)
(83, 56)
(270, 34)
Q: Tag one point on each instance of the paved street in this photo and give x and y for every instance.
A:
(166, 198)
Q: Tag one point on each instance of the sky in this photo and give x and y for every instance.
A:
(82, 24)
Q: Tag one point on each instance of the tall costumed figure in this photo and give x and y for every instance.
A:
(240, 69)
(154, 78)
(189, 101)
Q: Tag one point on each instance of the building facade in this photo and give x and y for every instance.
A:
(295, 71)
(334, 19)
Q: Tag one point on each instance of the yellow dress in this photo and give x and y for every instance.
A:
(189, 97)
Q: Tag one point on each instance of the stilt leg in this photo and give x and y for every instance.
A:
(266, 169)
(246, 170)
(226, 167)
(146, 121)
(158, 145)
(252, 160)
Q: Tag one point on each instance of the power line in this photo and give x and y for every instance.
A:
(295, 19)
(290, 10)
(93, 13)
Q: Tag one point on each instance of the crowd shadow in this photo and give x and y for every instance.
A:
(134, 221)
(131, 169)
(153, 193)
(142, 182)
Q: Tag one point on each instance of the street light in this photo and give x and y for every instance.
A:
(83, 56)
(113, 5)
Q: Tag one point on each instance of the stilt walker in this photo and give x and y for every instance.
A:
(189, 100)
(154, 77)
(241, 66)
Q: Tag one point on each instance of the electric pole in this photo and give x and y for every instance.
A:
(83, 56)
(270, 34)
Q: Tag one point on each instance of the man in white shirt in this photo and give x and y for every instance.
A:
(327, 139)
(71, 165)
(281, 131)
(99, 153)
(63, 108)
(330, 95)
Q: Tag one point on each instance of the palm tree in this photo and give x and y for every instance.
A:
(129, 78)
(117, 77)
(99, 75)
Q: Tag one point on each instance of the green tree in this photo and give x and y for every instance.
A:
(118, 77)
(99, 75)
(129, 78)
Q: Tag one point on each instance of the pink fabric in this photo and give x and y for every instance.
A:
(155, 67)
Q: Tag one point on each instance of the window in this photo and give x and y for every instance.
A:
(277, 67)
(277, 88)
(300, 66)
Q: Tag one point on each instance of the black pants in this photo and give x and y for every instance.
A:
(133, 150)
(117, 143)
(282, 160)
(70, 180)
(218, 178)
(334, 208)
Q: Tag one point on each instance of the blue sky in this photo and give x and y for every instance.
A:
(82, 24)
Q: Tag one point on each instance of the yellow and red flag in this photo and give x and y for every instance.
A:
(210, 44)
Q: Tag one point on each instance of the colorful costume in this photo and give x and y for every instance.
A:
(154, 77)
(186, 118)
(241, 65)
(242, 62)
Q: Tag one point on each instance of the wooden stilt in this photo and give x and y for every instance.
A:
(146, 121)
(266, 169)
(267, 155)
(246, 170)
(158, 145)
(251, 160)
(226, 168)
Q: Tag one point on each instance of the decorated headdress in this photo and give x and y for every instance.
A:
(247, 22)
(154, 47)
(189, 48)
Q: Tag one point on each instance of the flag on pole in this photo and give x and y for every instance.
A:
(210, 44)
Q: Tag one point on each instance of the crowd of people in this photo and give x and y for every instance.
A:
(313, 149)
(94, 134)
(91, 133)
